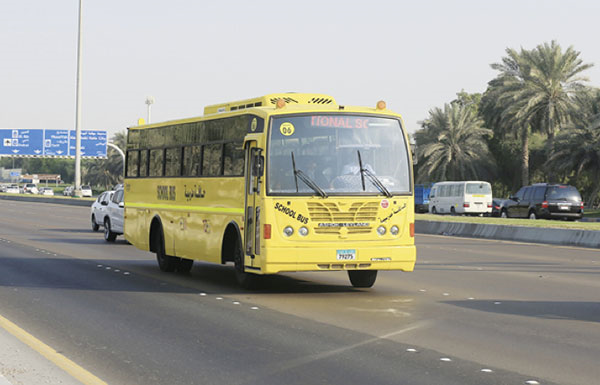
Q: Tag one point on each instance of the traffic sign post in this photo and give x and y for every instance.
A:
(51, 143)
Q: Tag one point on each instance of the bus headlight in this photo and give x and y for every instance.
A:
(394, 230)
(381, 230)
(303, 231)
(288, 231)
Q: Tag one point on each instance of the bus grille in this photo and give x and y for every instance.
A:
(330, 212)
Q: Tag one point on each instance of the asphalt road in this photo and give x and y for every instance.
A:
(472, 312)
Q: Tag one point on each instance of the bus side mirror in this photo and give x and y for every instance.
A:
(259, 165)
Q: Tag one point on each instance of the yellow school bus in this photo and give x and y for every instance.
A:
(281, 183)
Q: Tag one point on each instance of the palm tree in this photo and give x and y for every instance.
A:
(576, 149)
(534, 92)
(107, 172)
(452, 145)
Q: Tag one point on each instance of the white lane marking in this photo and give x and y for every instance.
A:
(392, 311)
(445, 359)
(203, 294)
(254, 308)
(236, 303)
(532, 382)
(301, 361)
(487, 370)
(219, 298)
(497, 303)
(126, 273)
(411, 350)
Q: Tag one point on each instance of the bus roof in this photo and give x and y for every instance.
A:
(294, 102)
(270, 100)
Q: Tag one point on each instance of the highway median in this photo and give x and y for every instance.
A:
(579, 234)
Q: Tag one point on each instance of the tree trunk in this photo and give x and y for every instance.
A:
(592, 197)
(549, 148)
(525, 156)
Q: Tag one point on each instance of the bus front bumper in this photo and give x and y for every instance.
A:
(276, 260)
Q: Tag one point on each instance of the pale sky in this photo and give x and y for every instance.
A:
(415, 55)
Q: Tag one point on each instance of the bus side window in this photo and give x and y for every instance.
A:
(211, 162)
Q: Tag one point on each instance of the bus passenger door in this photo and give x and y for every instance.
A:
(252, 217)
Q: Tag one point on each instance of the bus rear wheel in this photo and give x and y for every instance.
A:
(362, 278)
(166, 262)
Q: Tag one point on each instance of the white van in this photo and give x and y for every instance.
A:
(468, 197)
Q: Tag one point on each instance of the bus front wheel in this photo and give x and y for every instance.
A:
(362, 278)
(245, 280)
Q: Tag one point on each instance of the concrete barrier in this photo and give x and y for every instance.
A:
(43, 199)
(554, 236)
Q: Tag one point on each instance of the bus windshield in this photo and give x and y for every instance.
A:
(308, 153)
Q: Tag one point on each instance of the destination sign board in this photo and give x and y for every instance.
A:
(51, 143)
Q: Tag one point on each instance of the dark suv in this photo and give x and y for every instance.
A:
(544, 200)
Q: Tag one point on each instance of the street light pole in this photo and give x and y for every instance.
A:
(77, 191)
(149, 102)
(120, 152)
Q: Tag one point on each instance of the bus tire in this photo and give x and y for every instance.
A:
(362, 278)
(245, 280)
(185, 265)
(433, 210)
(109, 236)
(166, 262)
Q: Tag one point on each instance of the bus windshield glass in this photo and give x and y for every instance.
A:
(308, 153)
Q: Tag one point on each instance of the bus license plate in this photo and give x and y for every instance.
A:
(346, 255)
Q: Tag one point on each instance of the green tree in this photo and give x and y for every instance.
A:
(535, 91)
(452, 145)
(576, 150)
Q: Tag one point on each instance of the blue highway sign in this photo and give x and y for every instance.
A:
(21, 142)
(93, 143)
(56, 143)
(50, 143)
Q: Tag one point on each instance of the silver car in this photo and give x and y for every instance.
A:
(113, 220)
(99, 209)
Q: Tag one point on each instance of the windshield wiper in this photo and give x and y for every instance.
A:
(372, 178)
(306, 179)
